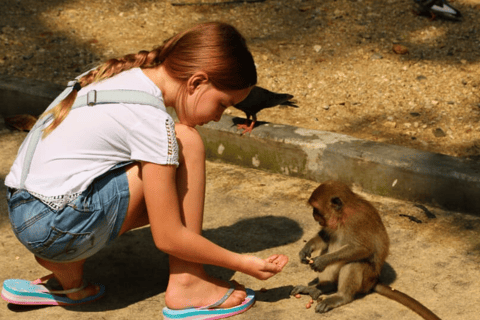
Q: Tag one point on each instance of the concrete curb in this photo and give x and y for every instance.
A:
(428, 178)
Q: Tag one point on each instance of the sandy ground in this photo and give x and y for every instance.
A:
(249, 211)
(335, 56)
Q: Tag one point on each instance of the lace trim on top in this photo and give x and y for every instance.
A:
(56, 202)
(59, 202)
(172, 156)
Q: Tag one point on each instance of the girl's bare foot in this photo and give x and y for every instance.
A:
(88, 291)
(186, 291)
(70, 276)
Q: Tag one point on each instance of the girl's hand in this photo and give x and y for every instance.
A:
(263, 269)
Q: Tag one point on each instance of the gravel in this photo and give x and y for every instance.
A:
(372, 69)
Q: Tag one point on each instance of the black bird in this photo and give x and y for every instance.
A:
(259, 99)
(440, 8)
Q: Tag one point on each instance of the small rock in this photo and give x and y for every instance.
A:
(420, 78)
(390, 124)
(376, 56)
(317, 48)
(400, 49)
(439, 133)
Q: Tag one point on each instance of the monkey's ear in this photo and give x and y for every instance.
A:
(337, 203)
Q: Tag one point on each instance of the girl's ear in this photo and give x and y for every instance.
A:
(197, 79)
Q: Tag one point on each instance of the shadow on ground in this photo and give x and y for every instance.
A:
(134, 270)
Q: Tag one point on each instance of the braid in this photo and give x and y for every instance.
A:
(215, 48)
(143, 59)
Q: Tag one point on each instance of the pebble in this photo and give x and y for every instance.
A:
(439, 133)
(390, 124)
(400, 49)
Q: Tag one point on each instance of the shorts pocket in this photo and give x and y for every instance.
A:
(27, 212)
(62, 246)
(18, 198)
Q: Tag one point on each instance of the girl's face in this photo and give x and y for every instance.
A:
(207, 103)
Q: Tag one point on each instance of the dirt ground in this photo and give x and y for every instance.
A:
(335, 56)
(434, 260)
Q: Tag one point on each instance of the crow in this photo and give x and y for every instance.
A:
(440, 8)
(259, 99)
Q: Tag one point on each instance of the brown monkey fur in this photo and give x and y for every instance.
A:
(353, 245)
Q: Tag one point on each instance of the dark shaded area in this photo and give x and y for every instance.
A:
(133, 269)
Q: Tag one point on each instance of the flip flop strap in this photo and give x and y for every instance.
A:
(223, 299)
(83, 286)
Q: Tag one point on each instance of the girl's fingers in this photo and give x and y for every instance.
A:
(278, 259)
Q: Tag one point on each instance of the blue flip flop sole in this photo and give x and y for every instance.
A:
(18, 291)
(210, 314)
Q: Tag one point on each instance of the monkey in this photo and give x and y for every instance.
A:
(353, 245)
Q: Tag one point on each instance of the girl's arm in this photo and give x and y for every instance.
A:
(172, 237)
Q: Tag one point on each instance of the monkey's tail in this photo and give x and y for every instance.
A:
(406, 300)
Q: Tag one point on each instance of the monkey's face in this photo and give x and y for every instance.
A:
(317, 215)
(327, 204)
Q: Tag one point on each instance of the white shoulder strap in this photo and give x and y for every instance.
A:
(92, 98)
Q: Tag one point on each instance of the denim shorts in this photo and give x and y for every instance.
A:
(81, 228)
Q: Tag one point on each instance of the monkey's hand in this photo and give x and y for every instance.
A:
(318, 264)
(305, 254)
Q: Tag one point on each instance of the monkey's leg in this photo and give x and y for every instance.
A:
(350, 281)
(348, 253)
(326, 283)
(312, 291)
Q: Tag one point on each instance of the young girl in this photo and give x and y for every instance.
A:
(99, 171)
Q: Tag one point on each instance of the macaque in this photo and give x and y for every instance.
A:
(353, 245)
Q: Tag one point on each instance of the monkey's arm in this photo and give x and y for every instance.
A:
(346, 253)
(316, 243)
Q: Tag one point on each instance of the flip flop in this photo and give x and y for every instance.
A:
(211, 312)
(18, 291)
